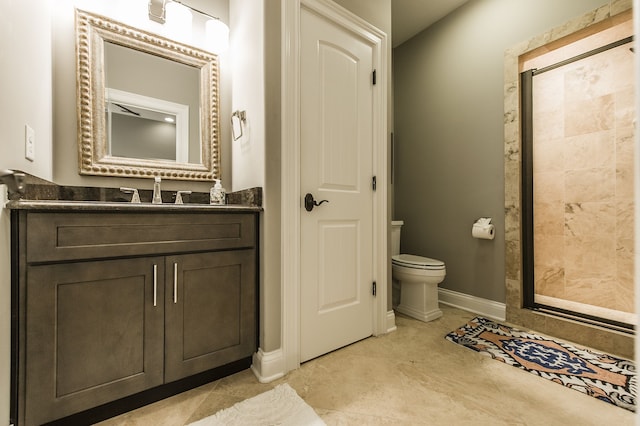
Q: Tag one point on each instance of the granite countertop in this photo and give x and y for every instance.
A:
(39, 194)
(68, 205)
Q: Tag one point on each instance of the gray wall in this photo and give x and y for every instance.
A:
(448, 83)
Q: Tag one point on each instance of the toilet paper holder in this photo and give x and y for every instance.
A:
(483, 229)
(483, 221)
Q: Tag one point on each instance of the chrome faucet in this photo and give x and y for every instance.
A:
(157, 192)
(13, 180)
(135, 198)
(179, 196)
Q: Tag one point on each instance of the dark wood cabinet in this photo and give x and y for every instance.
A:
(112, 304)
(93, 335)
(203, 329)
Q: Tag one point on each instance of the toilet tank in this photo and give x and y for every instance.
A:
(396, 226)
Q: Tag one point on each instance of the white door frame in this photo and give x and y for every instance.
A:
(291, 200)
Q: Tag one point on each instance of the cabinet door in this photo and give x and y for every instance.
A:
(210, 311)
(93, 334)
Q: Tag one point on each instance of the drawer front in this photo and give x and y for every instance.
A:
(74, 236)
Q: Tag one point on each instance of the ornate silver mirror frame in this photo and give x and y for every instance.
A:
(92, 31)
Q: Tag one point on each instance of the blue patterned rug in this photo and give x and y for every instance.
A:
(599, 375)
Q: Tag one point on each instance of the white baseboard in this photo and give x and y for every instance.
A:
(488, 308)
(391, 321)
(268, 366)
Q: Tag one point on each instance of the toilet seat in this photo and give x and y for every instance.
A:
(417, 262)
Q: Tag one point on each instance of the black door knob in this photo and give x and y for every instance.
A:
(309, 202)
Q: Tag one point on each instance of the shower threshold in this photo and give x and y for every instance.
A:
(610, 318)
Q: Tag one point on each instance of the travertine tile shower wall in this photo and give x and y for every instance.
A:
(583, 181)
(616, 16)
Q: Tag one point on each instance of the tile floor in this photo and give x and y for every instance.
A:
(409, 377)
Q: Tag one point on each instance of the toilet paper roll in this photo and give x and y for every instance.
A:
(484, 232)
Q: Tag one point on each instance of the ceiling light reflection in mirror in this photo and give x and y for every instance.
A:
(149, 128)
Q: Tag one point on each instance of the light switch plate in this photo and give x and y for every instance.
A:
(29, 143)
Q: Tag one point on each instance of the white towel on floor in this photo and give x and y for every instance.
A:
(279, 406)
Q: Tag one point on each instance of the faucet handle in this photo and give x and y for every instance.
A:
(13, 180)
(135, 198)
(179, 196)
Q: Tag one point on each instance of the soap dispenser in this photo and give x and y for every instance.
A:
(217, 194)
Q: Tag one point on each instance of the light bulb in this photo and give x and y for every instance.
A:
(178, 22)
(217, 36)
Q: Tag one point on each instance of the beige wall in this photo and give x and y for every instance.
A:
(247, 58)
(25, 85)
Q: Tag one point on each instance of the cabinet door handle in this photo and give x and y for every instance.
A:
(175, 283)
(155, 285)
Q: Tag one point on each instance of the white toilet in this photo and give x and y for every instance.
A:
(418, 278)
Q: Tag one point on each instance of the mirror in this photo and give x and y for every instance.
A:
(147, 106)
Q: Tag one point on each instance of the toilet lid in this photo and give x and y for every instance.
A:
(417, 262)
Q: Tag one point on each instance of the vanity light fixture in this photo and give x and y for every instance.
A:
(179, 22)
(217, 35)
(157, 11)
(169, 120)
(216, 31)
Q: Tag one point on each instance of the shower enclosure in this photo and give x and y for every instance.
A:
(577, 118)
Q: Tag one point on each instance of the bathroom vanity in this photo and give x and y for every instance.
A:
(116, 305)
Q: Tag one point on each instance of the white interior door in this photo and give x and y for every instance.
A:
(336, 137)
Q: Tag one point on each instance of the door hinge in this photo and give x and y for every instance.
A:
(374, 77)
(374, 183)
(373, 288)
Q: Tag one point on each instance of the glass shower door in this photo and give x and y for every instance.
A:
(578, 195)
